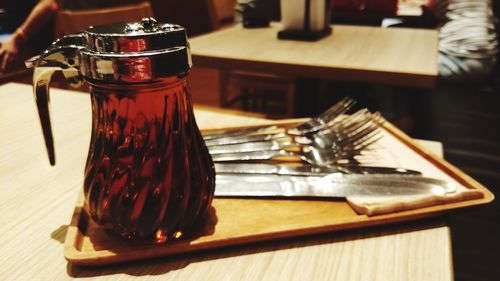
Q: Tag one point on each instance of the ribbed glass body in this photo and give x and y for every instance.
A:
(148, 172)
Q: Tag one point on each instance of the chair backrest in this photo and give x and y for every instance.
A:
(224, 10)
(69, 22)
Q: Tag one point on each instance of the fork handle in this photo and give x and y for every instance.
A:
(250, 156)
(239, 132)
(244, 139)
(249, 147)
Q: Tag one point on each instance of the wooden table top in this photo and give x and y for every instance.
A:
(37, 202)
(394, 56)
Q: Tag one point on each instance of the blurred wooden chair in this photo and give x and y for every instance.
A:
(197, 16)
(265, 93)
(224, 11)
(69, 21)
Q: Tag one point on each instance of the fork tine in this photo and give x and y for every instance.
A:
(323, 119)
(343, 107)
(350, 126)
(357, 127)
(357, 151)
(373, 119)
(368, 141)
(345, 102)
(340, 136)
(347, 152)
(360, 136)
(354, 118)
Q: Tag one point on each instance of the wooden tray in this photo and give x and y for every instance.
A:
(242, 221)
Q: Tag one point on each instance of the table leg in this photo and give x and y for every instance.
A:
(223, 84)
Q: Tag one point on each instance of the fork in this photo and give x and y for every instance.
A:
(325, 119)
(313, 125)
(358, 126)
(345, 133)
(336, 126)
(341, 148)
(309, 154)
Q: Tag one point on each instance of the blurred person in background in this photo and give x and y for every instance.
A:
(468, 43)
(26, 29)
(466, 112)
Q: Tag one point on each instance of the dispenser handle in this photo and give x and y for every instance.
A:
(62, 55)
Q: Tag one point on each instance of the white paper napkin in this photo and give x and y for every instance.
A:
(378, 206)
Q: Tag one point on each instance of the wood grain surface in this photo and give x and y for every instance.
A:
(37, 202)
(395, 56)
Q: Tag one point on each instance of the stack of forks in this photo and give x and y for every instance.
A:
(332, 139)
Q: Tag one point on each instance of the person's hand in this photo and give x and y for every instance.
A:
(10, 50)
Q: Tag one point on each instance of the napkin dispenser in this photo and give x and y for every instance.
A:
(305, 20)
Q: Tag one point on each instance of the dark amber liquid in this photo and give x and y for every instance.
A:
(148, 173)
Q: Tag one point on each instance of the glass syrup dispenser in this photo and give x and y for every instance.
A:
(148, 172)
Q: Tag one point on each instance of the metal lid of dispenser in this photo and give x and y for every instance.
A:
(134, 52)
